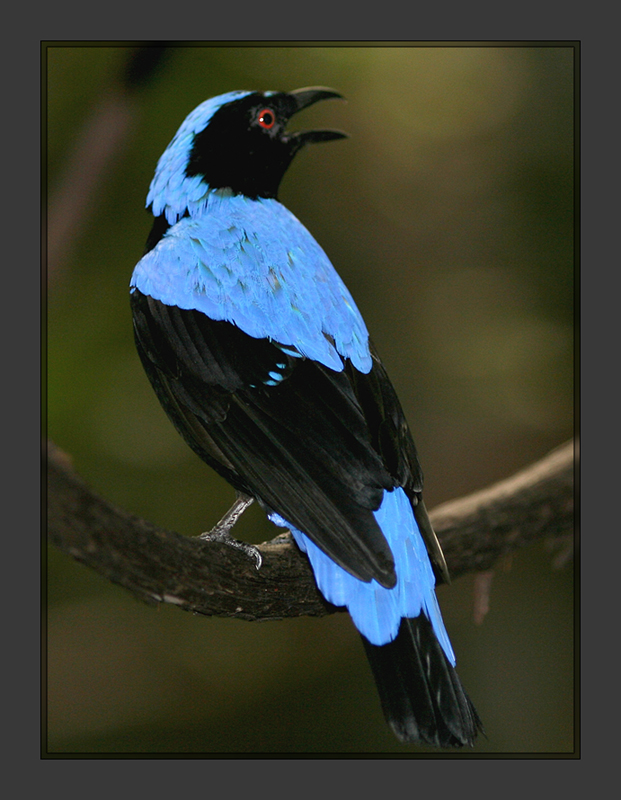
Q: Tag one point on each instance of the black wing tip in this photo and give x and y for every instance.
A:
(385, 573)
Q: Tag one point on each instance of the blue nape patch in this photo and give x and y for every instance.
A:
(253, 263)
(376, 611)
(172, 192)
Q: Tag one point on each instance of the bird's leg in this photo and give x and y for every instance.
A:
(221, 530)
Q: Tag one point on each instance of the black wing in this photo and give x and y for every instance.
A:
(319, 447)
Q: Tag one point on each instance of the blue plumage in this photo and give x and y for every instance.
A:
(252, 263)
(376, 611)
(259, 355)
(173, 193)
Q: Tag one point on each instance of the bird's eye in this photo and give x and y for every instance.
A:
(266, 118)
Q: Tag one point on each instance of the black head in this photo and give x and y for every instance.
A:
(245, 146)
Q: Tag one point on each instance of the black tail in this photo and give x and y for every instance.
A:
(422, 697)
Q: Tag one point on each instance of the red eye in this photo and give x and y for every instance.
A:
(266, 118)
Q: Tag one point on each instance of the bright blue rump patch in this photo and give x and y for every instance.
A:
(376, 611)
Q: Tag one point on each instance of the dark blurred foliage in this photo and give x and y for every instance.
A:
(449, 214)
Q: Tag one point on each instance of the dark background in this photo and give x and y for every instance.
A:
(449, 214)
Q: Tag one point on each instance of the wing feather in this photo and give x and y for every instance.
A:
(315, 445)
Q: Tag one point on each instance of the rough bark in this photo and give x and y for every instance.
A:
(209, 578)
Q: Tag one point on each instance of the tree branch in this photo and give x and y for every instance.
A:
(209, 578)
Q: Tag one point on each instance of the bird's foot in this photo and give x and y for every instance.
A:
(221, 531)
(218, 535)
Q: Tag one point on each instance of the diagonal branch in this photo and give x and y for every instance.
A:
(210, 578)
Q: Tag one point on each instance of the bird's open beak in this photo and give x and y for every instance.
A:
(303, 98)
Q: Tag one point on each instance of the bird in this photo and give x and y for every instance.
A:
(261, 359)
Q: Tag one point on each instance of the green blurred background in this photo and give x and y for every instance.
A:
(449, 214)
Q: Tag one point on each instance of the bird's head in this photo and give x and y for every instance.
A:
(236, 142)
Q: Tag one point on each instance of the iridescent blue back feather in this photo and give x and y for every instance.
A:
(252, 263)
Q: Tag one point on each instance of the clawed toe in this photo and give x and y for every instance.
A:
(222, 535)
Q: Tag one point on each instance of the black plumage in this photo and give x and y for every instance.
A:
(421, 695)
